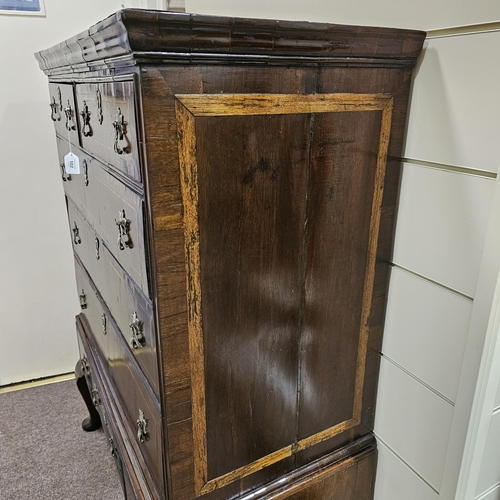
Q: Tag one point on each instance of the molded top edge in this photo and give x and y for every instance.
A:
(132, 31)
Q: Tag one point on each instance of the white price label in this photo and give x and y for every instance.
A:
(72, 164)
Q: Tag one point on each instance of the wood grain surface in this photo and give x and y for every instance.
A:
(279, 104)
(232, 308)
(113, 96)
(147, 34)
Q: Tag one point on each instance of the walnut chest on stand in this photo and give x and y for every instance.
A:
(232, 222)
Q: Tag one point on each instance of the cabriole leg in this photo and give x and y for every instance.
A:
(93, 421)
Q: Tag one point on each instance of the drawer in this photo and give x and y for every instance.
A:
(108, 428)
(112, 441)
(92, 313)
(111, 412)
(63, 111)
(108, 124)
(121, 305)
(86, 243)
(104, 201)
(141, 411)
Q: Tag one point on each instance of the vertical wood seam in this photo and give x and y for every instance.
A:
(303, 279)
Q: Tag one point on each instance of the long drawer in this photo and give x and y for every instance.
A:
(97, 393)
(114, 210)
(126, 304)
(141, 411)
(135, 488)
(108, 124)
(109, 430)
(123, 307)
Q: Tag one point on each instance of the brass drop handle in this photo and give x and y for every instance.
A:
(123, 231)
(68, 111)
(113, 450)
(85, 365)
(98, 98)
(97, 246)
(142, 428)
(85, 171)
(104, 321)
(119, 125)
(83, 300)
(64, 175)
(137, 340)
(85, 114)
(96, 399)
(76, 234)
(55, 116)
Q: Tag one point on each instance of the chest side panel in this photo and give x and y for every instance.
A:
(161, 125)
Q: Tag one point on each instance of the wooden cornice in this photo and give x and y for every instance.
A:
(144, 35)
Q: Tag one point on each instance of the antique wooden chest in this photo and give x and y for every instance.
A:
(232, 222)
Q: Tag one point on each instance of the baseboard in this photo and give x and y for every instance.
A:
(37, 382)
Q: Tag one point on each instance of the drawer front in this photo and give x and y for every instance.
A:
(111, 412)
(92, 313)
(105, 201)
(108, 124)
(63, 111)
(141, 411)
(113, 447)
(124, 308)
(109, 430)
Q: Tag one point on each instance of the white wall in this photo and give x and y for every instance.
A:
(446, 196)
(435, 328)
(38, 299)
(424, 15)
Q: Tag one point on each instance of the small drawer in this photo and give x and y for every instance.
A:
(108, 124)
(131, 312)
(63, 111)
(92, 313)
(86, 242)
(113, 210)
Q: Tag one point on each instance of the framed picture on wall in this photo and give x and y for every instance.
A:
(22, 7)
